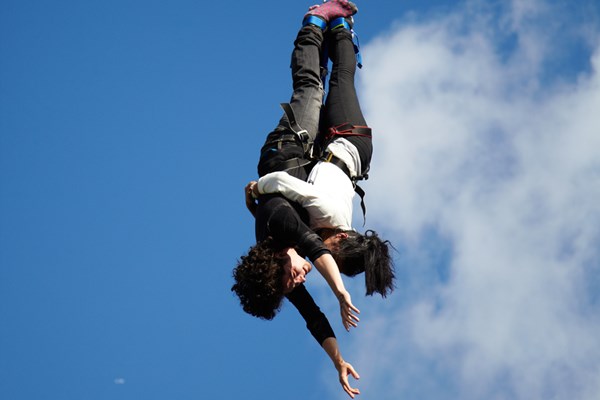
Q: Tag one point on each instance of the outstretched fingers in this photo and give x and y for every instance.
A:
(347, 310)
(351, 391)
(347, 370)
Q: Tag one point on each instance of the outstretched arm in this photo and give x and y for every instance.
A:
(327, 266)
(344, 369)
(319, 327)
(286, 225)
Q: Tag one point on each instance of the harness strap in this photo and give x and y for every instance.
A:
(282, 139)
(316, 21)
(347, 129)
(359, 191)
(294, 163)
(341, 22)
(356, 44)
(302, 134)
(330, 158)
(324, 66)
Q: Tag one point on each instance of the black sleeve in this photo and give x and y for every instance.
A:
(316, 321)
(276, 217)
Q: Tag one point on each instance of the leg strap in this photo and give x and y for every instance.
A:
(347, 129)
(316, 21)
(301, 134)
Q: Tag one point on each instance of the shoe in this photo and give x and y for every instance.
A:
(332, 9)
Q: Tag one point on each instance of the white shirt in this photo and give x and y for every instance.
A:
(328, 193)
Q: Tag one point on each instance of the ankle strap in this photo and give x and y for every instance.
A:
(341, 22)
(336, 23)
(316, 21)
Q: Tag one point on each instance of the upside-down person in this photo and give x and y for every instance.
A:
(276, 266)
(328, 192)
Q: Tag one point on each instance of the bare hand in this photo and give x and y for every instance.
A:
(344, 370)
(346, 310)
(249, 192)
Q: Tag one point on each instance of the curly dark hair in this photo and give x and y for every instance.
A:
(369, 254)
(258, 277)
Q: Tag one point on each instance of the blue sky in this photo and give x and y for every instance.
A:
(128, 130)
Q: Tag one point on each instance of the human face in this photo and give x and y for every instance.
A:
(294, 269)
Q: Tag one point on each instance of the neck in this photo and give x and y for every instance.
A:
(326, 233)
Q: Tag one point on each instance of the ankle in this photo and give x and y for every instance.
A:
(315, 20)
(340, 23)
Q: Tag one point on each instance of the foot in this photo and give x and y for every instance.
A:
(333, 9)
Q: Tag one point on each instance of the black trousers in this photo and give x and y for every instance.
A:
(342, 105)
(306, 102)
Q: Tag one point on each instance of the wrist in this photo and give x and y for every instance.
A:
(338, 363)
(341, 295)
(339, 290)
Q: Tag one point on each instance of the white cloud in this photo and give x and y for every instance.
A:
(501, 159)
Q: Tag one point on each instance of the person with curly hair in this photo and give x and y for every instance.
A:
(328, 191)
(276, 266)
(259, 288)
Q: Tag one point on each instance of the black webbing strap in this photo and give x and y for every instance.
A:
(342, 130)
(302, 134)
(359, 191)
(330, 158)
(282, 140)
(289, 112)
(294, 163)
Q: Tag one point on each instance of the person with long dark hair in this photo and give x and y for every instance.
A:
(276, 266)
(328, 192)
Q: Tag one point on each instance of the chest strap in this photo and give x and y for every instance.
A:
(330, 158)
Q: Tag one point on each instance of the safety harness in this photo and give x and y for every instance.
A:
(344, 130)
(297, 135)
(301, 135)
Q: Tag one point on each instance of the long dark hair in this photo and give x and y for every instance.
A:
(369, 254)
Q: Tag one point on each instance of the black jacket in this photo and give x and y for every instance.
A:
(285, 222)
